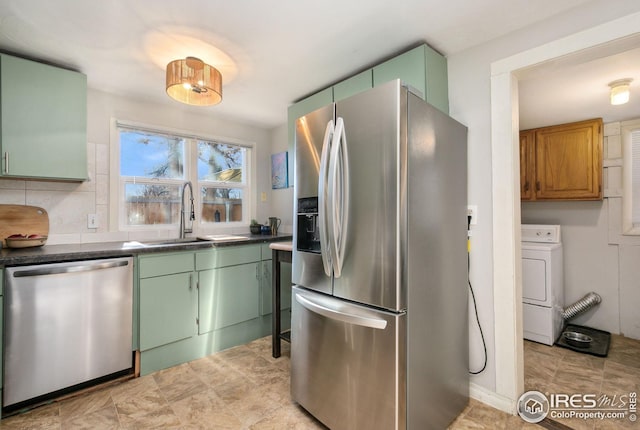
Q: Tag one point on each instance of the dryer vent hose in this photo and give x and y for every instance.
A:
(581, 306)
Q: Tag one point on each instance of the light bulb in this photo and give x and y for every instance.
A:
(620, 91)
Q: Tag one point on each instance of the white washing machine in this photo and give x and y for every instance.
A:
(542, 283)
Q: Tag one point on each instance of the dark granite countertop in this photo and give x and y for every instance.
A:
(86, 251)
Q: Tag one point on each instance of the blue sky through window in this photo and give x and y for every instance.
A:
(151, 155)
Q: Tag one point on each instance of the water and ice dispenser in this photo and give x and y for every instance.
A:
(308, 234)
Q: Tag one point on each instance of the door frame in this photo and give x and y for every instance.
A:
(507, 269)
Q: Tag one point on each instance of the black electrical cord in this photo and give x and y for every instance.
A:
(475, 305)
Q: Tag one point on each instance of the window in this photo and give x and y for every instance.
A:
(630, 131)
(220, 173)
(154, 165)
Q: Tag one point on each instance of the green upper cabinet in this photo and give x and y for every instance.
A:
(421, 68)
(353, 85)
(43, 120)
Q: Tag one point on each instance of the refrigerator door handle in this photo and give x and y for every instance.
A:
(339, 315)
(339, 191)
(323, 198)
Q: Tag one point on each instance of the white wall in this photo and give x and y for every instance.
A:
(470, 103)
(281, 200)
(68, 204)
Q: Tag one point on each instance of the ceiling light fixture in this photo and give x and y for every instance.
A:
(620, 91)
(194, 82)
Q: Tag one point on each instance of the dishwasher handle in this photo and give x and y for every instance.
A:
(53, 269)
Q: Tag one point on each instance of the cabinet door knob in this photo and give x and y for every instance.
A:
(6, 162)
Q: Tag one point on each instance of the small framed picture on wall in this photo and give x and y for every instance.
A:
(279, 170)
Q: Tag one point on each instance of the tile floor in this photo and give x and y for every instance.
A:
(552, 369)
(245, 388)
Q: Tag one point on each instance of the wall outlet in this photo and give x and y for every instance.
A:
(263, 196)
(92, 221)
(472, 211)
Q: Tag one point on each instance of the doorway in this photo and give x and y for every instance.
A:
(596, 42)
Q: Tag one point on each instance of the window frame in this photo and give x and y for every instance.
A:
(117, 207)
(628, 226)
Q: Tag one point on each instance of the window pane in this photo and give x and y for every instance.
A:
(152, 204)
(151, 155)
(221, 204)
(220, 162)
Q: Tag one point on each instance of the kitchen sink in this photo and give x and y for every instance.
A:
(174, 241)
(222, 237)
(185, 241)
(162, 242)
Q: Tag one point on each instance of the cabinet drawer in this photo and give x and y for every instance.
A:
(227, 256)
(165, 264)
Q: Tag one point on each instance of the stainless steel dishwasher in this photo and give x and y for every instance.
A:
(65, 324)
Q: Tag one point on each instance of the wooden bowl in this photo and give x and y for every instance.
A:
(25, 242)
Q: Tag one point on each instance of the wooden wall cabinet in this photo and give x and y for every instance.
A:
(562, 162)
(527, 164)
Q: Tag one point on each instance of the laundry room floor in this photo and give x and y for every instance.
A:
(553, 369)
(245, 388)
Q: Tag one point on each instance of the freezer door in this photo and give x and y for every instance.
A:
(307, 264)
(374, 136)
(348, 363)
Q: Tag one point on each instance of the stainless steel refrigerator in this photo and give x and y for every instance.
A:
(379, 336)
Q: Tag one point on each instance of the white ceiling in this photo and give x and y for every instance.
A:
(274, 53)
(575, 87)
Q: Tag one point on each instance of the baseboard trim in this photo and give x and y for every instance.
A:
(492, 398)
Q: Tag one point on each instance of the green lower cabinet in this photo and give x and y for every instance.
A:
(1, 341)
(167, 309)
(228, 296)
(266, 293)
(222, 310)
(1, 329)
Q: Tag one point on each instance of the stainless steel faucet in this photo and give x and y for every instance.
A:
(192, 216)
